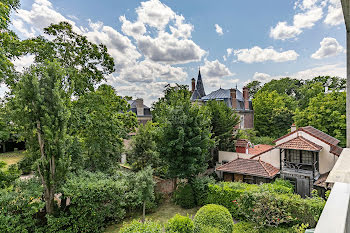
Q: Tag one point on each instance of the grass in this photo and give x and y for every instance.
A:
(164, 212)
(11, 157)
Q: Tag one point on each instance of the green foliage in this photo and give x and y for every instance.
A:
(272, 113)
(179, 224)
(284, 86)
(253, 87)
(185, 137)
(158, 108)
(223, 121)
(184, 196)
(200, 188)
(95, 199)
(268, 204)
(250, 227)
(7, 177)
(325, 112)
(20, 207)
(262, 140)
(139, 227)
(101, 119)
(215, 216)
(143, 151)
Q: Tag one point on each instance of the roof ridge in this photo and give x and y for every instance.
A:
(262, 164)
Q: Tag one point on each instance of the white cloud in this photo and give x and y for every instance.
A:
(335, 13)
(132, 29)
(215, 69)
(262, 77)
(329, 47)
(23, 62)
(338, 70)
(218, 30)
(310, 13)
(257, 54)
(32, 22)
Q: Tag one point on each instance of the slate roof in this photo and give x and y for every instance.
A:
(249, 167)
(147, 110)
(195, 95)
(300, 143)
(223, 94)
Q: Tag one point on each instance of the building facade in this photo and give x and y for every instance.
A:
(232, 97)
(143, 113)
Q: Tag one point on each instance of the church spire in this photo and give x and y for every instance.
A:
(199, 86)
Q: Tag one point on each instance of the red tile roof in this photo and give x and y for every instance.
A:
(249, 167)
(336, 150)
(242, 143)
(300, 143)
(259, 149)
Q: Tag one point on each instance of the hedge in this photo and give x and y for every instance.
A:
(267, 204)
(179, 224)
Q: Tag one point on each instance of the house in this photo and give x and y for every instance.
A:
(305, 156)
(142, 112)
(233, 98)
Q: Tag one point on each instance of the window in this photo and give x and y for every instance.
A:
(248, 179)
(307, 157)
(293, 156)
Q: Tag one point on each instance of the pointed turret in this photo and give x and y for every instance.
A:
(199, 86)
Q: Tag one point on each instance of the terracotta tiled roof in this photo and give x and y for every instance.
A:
(300, 143)
(259, 149)
(242, 143)
(336, 150)
(316, 133)
(249, 167)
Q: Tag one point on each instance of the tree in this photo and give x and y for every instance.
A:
(254, 87)
(101, 119)
(143, 149)
(272, 113)
(9, 43)
(223, 121)
(282, 86)
(145, 186)
(40, 105)
(307, 92)
(325, 112)
(185, 138)
(41, 97)
(159, 106)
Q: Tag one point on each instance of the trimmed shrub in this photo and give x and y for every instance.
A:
(267, 204)
(215, 216)
(184, 196)
(179, 224)
(200, 189)
(139, 227)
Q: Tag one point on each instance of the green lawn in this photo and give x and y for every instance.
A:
(11, 157)
(166, 211)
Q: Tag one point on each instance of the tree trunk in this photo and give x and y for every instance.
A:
(144, 211)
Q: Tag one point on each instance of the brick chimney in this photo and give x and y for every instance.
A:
(193, 84)
(233, 98)
(246, 98)
(139, 107)
(293, 128)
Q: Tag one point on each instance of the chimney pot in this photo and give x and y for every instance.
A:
(246, 97)
(193, 84)
(233, 98)
(139, 107)
(293, 128)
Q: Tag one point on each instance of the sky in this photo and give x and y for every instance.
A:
(156, 42)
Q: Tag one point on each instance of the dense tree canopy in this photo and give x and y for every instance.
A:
(185, 137)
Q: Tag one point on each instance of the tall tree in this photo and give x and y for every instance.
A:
(325, 112)
(272, 113)
(185, 138)
(40, 107)
(41, 97)
(282, 86)
(159, 106)
(143, 149)
(101, 119)
(223, 122)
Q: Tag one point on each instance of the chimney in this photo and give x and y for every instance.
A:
(193, 84)
(139, 107)
(293, 128)
(233, 98)
(246, 98)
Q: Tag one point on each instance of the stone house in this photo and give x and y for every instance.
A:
(143, 113)
(233, 98)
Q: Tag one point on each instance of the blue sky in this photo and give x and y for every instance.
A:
(158, 42)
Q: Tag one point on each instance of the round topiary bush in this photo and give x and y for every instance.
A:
(179, 224)
(213, 216)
